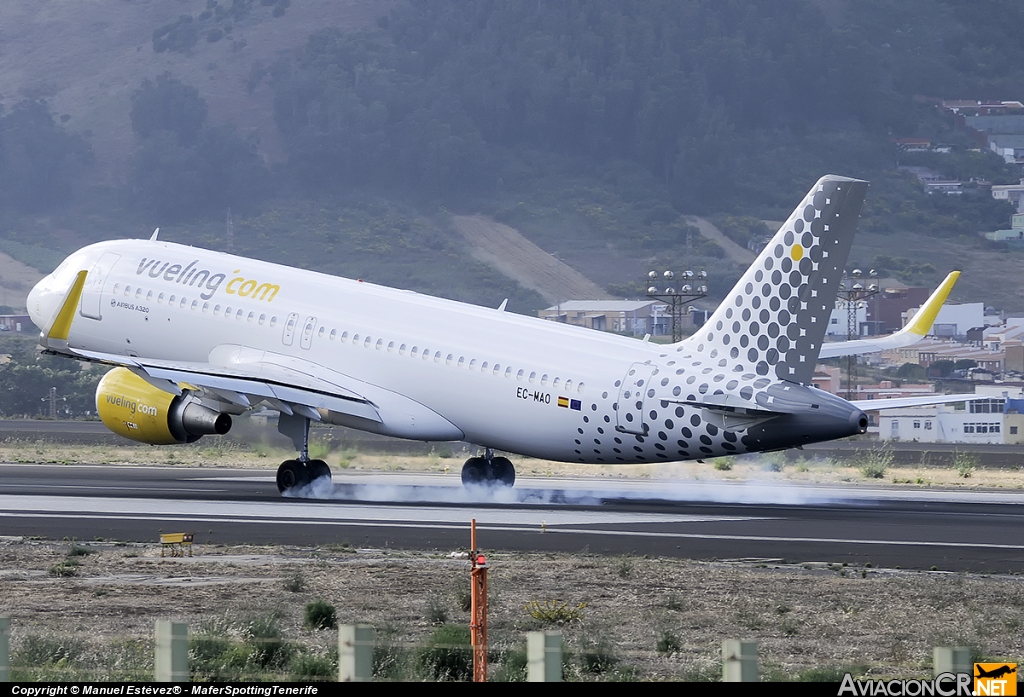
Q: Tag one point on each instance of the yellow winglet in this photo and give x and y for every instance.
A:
(61, 325)
(925, 317)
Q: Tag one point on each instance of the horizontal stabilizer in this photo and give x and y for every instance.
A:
(905, 402)
(916, 330)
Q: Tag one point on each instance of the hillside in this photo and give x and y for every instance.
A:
(86, 57)
(343, 134)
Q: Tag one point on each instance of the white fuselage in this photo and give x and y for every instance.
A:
(414, 366)
(498, 377)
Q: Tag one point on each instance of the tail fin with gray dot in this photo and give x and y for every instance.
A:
(774, 320)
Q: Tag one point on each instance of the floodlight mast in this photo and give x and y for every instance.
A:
(853, 295)
(678, 294)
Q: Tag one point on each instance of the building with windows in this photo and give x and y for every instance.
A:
(997, 419)
(637, 317)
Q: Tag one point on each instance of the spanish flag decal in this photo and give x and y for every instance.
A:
(563, 402)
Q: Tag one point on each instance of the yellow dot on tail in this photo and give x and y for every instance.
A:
(797, 252)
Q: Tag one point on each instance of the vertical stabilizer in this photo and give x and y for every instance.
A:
(774, 320)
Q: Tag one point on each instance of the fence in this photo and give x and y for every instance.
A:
(361, 654)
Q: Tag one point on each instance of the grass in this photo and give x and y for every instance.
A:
(447, 654)
(295, 582)
(965, 464)
(555, 612)
(874, 463)
(320, 614)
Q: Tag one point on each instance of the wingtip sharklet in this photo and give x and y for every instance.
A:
(916, 329)
(925, 317)
(60, 327)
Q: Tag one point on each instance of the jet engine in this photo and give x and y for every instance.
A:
(131, 407)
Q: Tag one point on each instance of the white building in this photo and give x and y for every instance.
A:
(954, 320)
(839, 321)
(992, 420)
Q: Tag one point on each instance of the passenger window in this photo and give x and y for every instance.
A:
(472, 364)
(415, 352)
(508, 372)
(273, 321)
(462, 360)
(206, 306)
(334, 334)
(391, 346)
(533, 378)
(519, 375)
(149, 296)
(344, 337)
(366, 342)
(380, 342)
(322, 331)
(448, 359)
(401, 350)
(437, 357)
(544, 379)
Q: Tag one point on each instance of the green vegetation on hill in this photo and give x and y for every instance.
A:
(589, 124)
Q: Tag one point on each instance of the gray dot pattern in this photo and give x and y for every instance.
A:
(769, 328)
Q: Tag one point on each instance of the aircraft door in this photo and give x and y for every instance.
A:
(307, 332)
(289, 328)
(629, 417)
(92, 293)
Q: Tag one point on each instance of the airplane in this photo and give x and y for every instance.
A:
(195, 337)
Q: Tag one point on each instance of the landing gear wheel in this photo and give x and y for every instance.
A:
(474, 472)
(291, 474)
(317, 469)
(503, 473)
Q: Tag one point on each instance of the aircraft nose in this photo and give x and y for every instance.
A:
(42, 303)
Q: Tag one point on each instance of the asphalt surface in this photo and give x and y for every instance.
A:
(948, 530)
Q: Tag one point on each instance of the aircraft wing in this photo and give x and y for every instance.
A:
(904, 402)
(911, 334)
(245, 384)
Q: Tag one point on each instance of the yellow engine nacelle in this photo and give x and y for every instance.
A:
(131, 407)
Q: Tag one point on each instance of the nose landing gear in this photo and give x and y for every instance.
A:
(297, 473)
(488, 471)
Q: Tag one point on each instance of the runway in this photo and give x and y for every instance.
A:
(907, 528)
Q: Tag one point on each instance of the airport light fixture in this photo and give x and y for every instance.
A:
(677, 293)
(853, 295)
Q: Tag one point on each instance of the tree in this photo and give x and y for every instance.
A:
(167, 104)
(38, 159)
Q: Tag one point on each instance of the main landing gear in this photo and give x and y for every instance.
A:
(488, 471)
(297, 473)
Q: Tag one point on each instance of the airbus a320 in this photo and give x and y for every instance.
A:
(195, 337)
